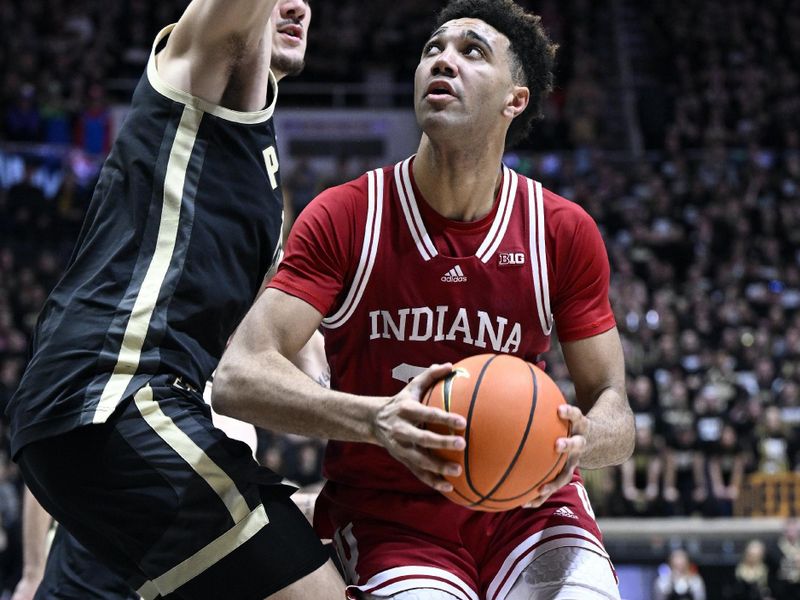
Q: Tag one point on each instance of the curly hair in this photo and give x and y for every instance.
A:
(532, 53)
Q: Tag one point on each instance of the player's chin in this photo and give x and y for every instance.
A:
(289, 62)
(440, 123)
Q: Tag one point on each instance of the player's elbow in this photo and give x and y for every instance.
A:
(627, 436)
(224, 399)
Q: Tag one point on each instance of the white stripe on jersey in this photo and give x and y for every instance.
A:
(247, 522)
(498, 229)
(408, 203)
(416, 226)
(536, 545)
(369, 251)
(130, 351)
(538, 253)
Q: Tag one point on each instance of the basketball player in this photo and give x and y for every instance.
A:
(444, 255)
(108, 424)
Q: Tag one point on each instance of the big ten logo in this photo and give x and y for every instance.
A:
(271, 160)
(506, 259)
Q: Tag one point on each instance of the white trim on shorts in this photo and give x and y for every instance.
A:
(403, 579)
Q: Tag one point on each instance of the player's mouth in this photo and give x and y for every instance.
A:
(291, 32)
(440, 90)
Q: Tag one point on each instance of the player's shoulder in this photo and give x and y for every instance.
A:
(350, 192)
(351, 197)
(561, 212)
(341, 208)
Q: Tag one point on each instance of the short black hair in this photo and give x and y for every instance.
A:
(532, 53)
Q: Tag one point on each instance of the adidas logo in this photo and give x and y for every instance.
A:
(454, 275)
(565, 511)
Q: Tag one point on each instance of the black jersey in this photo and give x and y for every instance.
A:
(183, 226)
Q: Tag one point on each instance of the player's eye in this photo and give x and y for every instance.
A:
(474, 51)
(431, 48)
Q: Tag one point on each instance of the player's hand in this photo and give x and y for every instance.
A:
(399, 426)
(26, 588)
(573, 446)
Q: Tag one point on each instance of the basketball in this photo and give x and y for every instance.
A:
(511, 408)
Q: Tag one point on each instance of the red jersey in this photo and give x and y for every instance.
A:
(402, 287)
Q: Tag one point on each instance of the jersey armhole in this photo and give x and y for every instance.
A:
(182, 97)
(369, 250)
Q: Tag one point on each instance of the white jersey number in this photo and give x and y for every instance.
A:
(405, 372)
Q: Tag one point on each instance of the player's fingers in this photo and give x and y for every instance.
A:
(574, 415)
(562, 479)
(430, 440)
(572, 445)
(419, 413)
(427, 378)
(432, 480)
(420, 459)
(536, 502)
(410, 435)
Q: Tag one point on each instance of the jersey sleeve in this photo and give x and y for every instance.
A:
(317, 257)
(581, 308)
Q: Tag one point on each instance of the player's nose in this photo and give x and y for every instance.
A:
(293, 9)
(445, 64)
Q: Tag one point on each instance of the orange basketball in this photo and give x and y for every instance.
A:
(511, 407)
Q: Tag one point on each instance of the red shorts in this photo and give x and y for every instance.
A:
(390, 542)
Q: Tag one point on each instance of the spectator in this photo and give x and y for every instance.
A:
(752, 575)
(786, 557)
(684, 474)
(22, 119)
(641, 475)
(93, 133)
(679, 579)
(775, 446)
(726, 468)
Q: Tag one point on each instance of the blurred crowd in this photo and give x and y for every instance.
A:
(703, 233)
(62, 64)
(764, 571)
(726, 72)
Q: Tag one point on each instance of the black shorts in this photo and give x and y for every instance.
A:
(171, 504)
(73, 572)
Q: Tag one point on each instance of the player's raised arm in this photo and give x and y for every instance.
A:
(220, 51)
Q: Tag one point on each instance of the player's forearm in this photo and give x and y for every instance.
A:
(610, 436)
(269, 391)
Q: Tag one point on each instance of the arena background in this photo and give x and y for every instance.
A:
(675, 123)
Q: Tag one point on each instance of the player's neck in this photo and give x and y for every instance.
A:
(458, 182)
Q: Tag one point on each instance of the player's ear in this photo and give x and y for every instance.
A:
(517, 101)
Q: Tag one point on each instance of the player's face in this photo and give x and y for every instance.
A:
(290, 20)
(464, 78)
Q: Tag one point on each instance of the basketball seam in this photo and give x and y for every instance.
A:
(520, 448)
(556, 466)
(472, 402)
